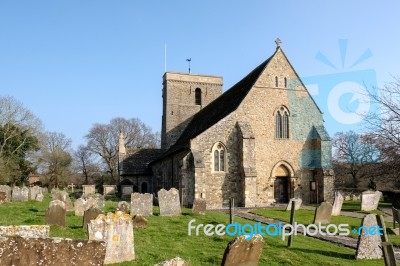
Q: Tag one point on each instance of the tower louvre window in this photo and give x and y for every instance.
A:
(197, 96)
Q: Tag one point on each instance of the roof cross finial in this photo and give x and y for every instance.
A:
(278, 42)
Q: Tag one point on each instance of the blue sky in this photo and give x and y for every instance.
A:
(75, 63)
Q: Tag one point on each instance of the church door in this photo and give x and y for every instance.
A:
(281, 189)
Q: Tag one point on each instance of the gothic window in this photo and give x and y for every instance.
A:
(197, 96)
(276, 82)
(219, 155)
(282, 123)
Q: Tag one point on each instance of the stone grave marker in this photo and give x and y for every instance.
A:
(199, 206)
(116, 230)
(36, 231)
(141, 204)
(56, 213)
(89, 189)
(80, 207)
(64, 197)
(7, 191)
(337, 204)
(368, 245)
(243, 252)
(370, 200)
(90, 214)
(109, 190)
(139, 222)
(123, 206)
(323, 213)
(177, 261)
(39, 197)
(396, 218)
(34, 191)
(20, 194)
(169, 202)
(95, 200)
(297, 204)
(126, 190)
(3, 197)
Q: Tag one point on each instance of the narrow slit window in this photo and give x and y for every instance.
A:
(197, 96)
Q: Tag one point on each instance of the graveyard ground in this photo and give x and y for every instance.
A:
(167, 237)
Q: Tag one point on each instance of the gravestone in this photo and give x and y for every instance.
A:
(323, 213)
(347, 198)
(297, 204)
(169, 202)
(3, 197)
(19, 251)
(34, 191)
(42, 231)
(173, 262)
(337, 204)
(94, 201)
(90, 214)
(370, 200)
(243, 252)
(64, 197)
(126, 190)
(199, 206)
(141, 204)
(117, 231)
(396, 218)
(368, 245)
(56, 213)
(89, 189)
(109, 190)
(139, 222)
(7, 191)
(123, 206)
(39, 197)
(80, 207)
(20, 194)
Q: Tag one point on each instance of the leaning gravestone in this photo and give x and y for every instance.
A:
(173, 262)
(370, 200)
(141, 204)
(117, 231)
(199, 206)
(20, 194)
(34, 191)
(297, 204)
(7, 191)
(123, 206)
(55, 214)
(369, 246)
(337, 204)
(2, 197)
(64, 197)
(169, 202)
(243, 252)
(90, 214)
(323, 213)
(80, 207)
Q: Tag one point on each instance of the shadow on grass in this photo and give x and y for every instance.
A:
(33, 210)
(326, 253)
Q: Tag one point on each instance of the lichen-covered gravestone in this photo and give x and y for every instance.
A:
(173, 262)
(7, 191)
(56, 213)
(199, 206)
(36, 231)
(34, 191)
(95, 201)
(323, 213)
(369, 245)
(123, 206)
(169, 202)
(90, 214)
(80, 207)
(20, 194)
(337, 204)
(64, 197)
(141, 204)
(297, 204)
(117, 231)
(243, 252)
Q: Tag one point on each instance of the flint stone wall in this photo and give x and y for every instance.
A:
(18, 251)
(33, 231)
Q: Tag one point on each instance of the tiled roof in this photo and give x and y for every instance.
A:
(137, 163)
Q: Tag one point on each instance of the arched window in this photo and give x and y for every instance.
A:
(276, 82)
(282, 123)
(197, 96)
(218, 159)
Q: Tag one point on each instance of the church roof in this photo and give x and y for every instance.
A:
(137, 163)
(228, 102)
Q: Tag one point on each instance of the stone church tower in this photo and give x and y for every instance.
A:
(183, 96)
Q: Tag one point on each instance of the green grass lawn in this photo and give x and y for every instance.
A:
(167, 237)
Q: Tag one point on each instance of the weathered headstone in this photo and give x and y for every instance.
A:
(80, 207)
(95, 200)
(139, 222)
(89, 189)
(56, 213)
(323, 213)
(243, 252)
(141, 204)
(90, 214)
(25, 230)
(64, 197)
(19, 251)
(7, 191)
(20, 194)
(3, 197)
(109, 189)
(370, 200)
(173, 262)
(39, 197)
(369, 245)
(297, 205)
(117, 231)
(126, 190)
(169, 202)
(337, 204)
(199, 206)
(34, 191)
(123, 206)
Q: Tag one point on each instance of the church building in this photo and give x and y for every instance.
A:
(261, 142)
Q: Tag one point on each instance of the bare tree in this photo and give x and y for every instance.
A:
(85, 163)
(103, 140)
